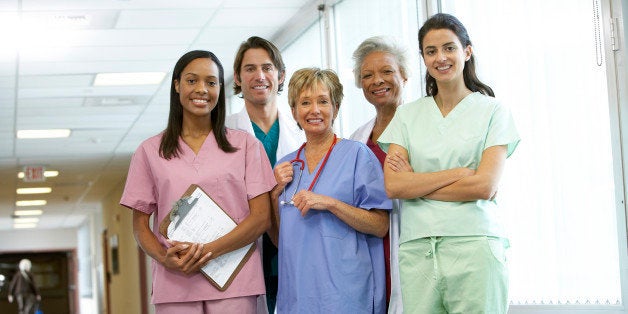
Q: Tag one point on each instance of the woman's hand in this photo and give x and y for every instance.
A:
(305, 200)
(374, 221)
(398, 162)
(283, 174)
(186, 257)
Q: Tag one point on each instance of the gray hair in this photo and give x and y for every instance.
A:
(379, 43)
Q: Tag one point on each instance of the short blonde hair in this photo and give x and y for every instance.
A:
(308, 78)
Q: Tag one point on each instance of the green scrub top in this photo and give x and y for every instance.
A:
(436, 143)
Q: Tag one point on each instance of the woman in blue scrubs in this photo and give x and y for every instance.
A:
(330, 210)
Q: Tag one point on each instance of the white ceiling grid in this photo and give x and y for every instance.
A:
(48, 64)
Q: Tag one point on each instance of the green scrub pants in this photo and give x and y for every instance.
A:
(454, 275)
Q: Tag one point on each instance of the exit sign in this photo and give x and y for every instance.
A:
(34, 174)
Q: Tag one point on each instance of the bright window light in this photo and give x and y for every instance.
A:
(24, 226)
(47, 174)
(25, 220)
(28, 212)
(132, 78)
(52, 133)
(42, 190)
(31, 203)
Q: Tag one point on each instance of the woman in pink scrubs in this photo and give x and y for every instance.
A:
(230, 165)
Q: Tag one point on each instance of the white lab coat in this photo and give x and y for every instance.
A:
(362, 134)
(290, 136)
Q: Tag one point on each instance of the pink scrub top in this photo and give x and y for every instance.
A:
(154, 184)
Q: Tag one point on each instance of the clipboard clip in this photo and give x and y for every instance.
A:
(181, 208)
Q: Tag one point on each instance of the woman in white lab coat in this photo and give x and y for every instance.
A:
(380, 70)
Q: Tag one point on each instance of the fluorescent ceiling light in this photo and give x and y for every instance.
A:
(42, 190)
(25, 220)
(24, 226)
(47, 174)
(132, 78)
(28, 212)
(31, 203)
(52, 133)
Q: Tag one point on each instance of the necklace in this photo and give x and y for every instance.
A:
(318, 173)
(298, 160)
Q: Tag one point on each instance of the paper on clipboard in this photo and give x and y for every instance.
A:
(199, 219)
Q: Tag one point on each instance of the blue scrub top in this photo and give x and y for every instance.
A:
(325, 265)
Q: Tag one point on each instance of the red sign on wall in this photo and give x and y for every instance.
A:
(34, 174)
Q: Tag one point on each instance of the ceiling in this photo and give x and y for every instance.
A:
(50, 53)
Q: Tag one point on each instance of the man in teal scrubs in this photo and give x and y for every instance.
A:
(259, 74)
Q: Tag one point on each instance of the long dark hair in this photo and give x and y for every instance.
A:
(169, 146)
(450, 22)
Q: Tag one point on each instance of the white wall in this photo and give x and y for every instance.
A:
(39, 240)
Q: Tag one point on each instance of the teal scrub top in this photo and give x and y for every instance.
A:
(270, 140)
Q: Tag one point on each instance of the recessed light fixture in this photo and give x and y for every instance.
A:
(31, 203)
(51, 133)
(28, 212)
(131, 78)
(24, 226)
(47, 174)
(41, 190)
(25, 220)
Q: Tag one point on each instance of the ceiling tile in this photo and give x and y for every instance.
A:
(9, 5)
(6, 142)
(264, 4)
(62, 68)
(7, 94)
(156, 19)
(112, 53)
(58, 103)
(8, 67)
(56, 68)
(263, 17)
(116, 4)
(94, 91)
(7, 82)
(54, 81)
(67, 19)
(124, 37)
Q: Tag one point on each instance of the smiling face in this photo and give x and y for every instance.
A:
(444, 56)
(199, 87)
(381, 79)
(258, 77)
(314, 110)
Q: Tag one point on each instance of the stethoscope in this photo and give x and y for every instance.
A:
(301, 164)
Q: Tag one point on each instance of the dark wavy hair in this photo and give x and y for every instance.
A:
(273, 52)
(169, 146)
(450, 22)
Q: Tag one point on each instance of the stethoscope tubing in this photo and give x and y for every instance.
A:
(298, 159)
(293, 162)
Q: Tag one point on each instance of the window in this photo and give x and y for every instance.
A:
(558, 193)
(305, 52)
(356, 21)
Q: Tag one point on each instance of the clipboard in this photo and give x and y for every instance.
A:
(197, 218)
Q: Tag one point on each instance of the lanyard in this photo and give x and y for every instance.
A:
(318, 173)
(298, 159)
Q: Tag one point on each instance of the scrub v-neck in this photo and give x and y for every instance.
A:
(192, 158)
(446, 122)
(307, 168)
